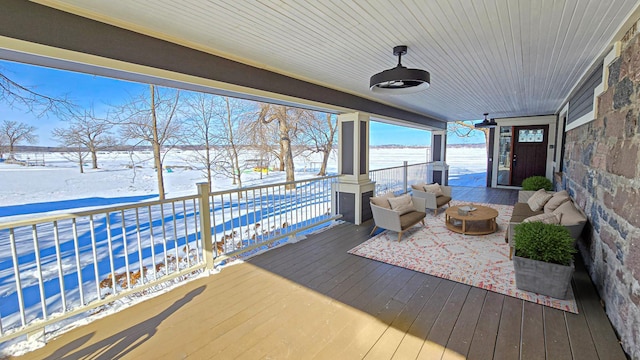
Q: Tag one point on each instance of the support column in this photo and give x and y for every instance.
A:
(438, 171)
(354, 187)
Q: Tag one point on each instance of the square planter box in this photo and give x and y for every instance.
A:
(543, 278)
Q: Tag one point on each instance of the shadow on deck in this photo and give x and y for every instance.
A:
(313, 300)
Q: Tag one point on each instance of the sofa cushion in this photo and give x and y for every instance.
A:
(546, 218)
(382, 200)
(570, 214)
(411, 218)
(418, 186)
(536, 201)
(401, 204)
(434, 189)
(556, 200)
(442, 199)
(522, 211)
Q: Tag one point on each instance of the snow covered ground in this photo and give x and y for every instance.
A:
(126, 178)
(59, 184)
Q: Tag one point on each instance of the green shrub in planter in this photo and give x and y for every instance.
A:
(535, 183)
(544, 242)
(544, 259)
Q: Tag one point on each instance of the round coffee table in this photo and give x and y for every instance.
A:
(478, 222)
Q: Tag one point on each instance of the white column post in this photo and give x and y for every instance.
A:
(354, 187)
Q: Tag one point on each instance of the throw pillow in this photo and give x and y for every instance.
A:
(402, 204)
(561, 193)
(570, 214)
(434, 189)
(382, 200)
(538, 199)
(549, 218)
(555, 201)
(418, 186)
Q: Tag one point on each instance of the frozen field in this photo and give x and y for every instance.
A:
(60, 184)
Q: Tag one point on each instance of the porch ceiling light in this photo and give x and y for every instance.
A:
(400, 80)
(486, 123)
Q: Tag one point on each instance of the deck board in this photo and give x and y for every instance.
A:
(312, 299)
(484, 337)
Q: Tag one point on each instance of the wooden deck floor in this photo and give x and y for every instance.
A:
(313, 300)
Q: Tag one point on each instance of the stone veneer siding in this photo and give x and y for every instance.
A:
(602, 173)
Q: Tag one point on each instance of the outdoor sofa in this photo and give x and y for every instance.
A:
(551, 207)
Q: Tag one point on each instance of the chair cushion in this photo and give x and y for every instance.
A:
(402, 204)
(570, 214)
(382, 200)
(538, 199)
(442, 200)
(556, 200)
(546, 218)
(434, 189)
(411, 218)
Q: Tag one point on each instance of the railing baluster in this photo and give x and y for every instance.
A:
(233, 238)
(56, 241)
(16, 273)
(94, 251)
(153, 245)
(195, 226)
(266, 212)
(74, 229)
(110, 247)
(126, 249)
(139, 241)
(224, 225)
(175, 234)
(214, 236)
(164, 240)
(36, 247)
(186, 233)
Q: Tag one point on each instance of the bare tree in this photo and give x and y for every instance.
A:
(25, 97)
(86, 132)
(319, 135)
(287, 119)
(153, 118)
(200, 128)
(465, 129)
(15, 133)
(262, 137)
(232, 134)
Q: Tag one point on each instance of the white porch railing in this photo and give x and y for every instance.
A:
(55, 267)
(398, 179)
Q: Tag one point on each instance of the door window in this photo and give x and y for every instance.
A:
(504, 159)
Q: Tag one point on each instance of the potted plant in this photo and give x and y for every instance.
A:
(543, 259)
(535, 183)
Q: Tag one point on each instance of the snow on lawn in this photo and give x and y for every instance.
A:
(34, 191)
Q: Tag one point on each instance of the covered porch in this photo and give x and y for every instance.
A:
(314, 300)
(579, 71)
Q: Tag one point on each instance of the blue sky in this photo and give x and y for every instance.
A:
(100, 92)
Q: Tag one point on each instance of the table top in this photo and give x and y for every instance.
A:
(480, 213)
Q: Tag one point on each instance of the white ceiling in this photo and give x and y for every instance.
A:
(505, 57)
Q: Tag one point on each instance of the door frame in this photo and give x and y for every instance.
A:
(524, 121)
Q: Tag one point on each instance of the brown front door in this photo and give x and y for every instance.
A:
(529, 152)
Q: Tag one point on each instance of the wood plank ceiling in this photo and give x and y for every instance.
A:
(505, 57)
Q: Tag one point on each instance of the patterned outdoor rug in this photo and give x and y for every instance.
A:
(480, 261)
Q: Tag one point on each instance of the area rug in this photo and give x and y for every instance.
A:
(480, 261)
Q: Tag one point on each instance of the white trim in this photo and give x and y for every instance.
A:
(598, 90)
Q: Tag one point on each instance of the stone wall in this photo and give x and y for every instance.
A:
(602, 173)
